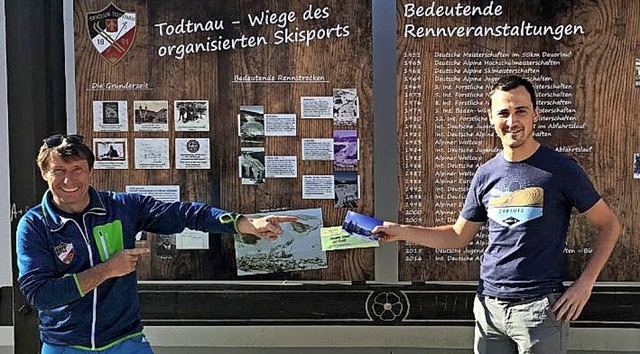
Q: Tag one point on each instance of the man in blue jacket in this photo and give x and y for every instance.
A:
(77, 255)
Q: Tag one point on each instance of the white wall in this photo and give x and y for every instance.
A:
(362, 339)
(5, 224)
(6, 333)
(70, 65)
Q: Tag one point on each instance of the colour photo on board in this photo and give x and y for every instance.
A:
(297, 248)
(345, 148)
(335, 238)
(359, 225)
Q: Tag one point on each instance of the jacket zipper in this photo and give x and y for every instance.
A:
(95, 292)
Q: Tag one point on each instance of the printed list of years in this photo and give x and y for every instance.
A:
(412, 145)
(463, 137)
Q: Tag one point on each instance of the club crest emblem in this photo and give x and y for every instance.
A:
(193, 146)
(64, 251)
(112, 32)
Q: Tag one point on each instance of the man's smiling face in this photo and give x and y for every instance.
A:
(68, 182)
(512, 116)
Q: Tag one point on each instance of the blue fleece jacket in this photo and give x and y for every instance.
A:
(53, 249)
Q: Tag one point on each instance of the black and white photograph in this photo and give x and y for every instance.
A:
(297, 248)
(111, 153)
(151, 116)
(110, 116)
(251, 165)
(110, 150)
(359, 225)
(110, 113)
(191, 115)
(346, 187)
(166, 246)
(345, 148)
(345, 107)
(636, 165)
(251, 125)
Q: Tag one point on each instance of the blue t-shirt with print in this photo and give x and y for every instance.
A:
(527, 205)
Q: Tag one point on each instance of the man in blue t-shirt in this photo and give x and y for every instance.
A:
(525, 194)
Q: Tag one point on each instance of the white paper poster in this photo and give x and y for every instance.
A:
(188, 239)
(163, 193)
(151, 153)
(317, 149)
(318, 107)
(317, 187)
(280, 125)
(192, 240)
(193, 153)
(281, 166)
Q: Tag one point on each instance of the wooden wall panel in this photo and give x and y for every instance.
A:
(343, 62)
(591, 85)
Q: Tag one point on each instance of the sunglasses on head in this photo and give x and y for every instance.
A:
(56, 140)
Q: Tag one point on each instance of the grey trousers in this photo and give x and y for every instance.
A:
(526, 327)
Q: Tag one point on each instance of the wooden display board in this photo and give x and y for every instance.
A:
(583, 58)
(210, 61)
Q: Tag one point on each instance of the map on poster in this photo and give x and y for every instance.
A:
(297, 248)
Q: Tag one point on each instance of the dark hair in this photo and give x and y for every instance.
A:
(68, 151)
(509, 83)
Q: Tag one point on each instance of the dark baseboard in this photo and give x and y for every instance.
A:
(335, 304)
(357, 304)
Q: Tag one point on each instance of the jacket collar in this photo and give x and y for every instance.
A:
(55, 221)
